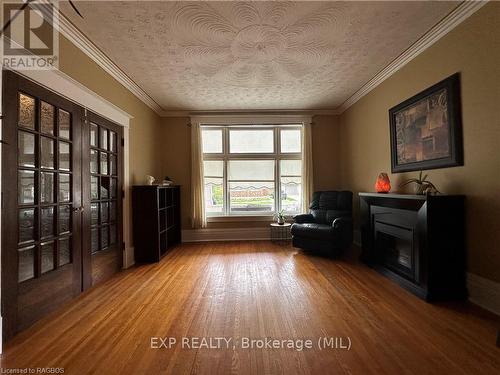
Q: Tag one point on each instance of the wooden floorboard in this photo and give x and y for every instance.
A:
(257, 290)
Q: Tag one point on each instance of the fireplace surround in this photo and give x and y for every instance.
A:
(417, 241)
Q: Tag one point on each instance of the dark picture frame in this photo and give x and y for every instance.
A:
(426, 130)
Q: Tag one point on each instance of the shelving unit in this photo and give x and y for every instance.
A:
(156, 221)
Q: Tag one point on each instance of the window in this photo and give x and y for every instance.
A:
(251, 141)
(250, 170)
(290, 141)
(291, 185)
(214, 186)
(251, 186)
(212, 141)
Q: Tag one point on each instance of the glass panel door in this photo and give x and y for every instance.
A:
(105, 197)
(41, 230)
(44, 193)
(61, 185)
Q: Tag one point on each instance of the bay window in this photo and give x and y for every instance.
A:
(252, 170)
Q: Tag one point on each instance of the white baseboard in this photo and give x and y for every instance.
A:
(128, 258)
(226, 234)
(484, 292)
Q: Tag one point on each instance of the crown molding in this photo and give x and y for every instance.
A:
(443, 27)
(251, 119)
(291, 112)
(81, 41)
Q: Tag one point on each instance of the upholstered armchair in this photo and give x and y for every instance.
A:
(328, 225)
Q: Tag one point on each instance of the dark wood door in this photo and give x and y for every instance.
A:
(42, 202)
(103, 174)
(62, 170)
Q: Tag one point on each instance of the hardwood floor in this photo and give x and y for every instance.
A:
(257, 290)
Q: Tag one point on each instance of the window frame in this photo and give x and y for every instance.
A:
(275, 156)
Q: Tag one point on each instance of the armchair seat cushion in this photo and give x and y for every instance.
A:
(323, 232)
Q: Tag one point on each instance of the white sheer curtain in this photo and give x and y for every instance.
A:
(307, 166)
(198, 219)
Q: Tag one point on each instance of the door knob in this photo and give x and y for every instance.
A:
(78, 209)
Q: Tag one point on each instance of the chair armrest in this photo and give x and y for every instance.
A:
(344, 229)
(304, 218)
(342, 222)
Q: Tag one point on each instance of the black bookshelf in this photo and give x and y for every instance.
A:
(156, 221)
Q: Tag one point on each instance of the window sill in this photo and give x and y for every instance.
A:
(247, 218)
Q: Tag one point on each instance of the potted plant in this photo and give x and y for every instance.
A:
(280, 217)
(422, 185)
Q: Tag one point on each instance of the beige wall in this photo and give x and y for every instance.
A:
(177, 149)
(176, 160)
(144, 144)
(145, 124)
(326, 152)
(473, 49)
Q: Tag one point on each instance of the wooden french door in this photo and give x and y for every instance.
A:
(104, 175)
(41, 213)
(48, 205)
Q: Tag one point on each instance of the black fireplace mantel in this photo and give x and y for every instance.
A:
(417, 241)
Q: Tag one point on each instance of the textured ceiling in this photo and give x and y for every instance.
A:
(254, 55)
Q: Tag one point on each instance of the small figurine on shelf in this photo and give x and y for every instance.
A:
(150, 180)
(167, 181)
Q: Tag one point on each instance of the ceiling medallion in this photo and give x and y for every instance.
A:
(255, 48)
(257, 44)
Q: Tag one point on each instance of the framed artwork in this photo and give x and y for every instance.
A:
(426, 130)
